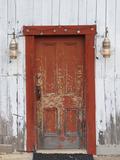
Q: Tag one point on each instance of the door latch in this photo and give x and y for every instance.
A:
(38, 87)
(38, 92)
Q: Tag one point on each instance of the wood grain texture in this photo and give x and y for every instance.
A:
(3, 37)
(89, 33)
(64, 12)
(117, 37)
(90, 98)
(55, 17)
(68, 12)
(31, 130)
(82, 12)
(91, 11)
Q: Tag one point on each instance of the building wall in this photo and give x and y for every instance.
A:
(15, 14)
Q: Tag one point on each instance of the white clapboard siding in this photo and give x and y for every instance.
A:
(3, 37)
(100, 62)
(55, 12)
(38, 12)
(68, 12)
(21, 56)
(117, 49)
(82, 12)
(11, 10)
(26, 18)
(117, 71)
(117, 89)
(3, 97)
(43, 12)
(12, 101)
(24, 12)
(16, 14)
(91, 11)
(110, 111)
(100, 103)
(110, 77)
(110, 22)
(11, 18)
(21, 110)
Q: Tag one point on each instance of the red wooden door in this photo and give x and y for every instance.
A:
(60, 92)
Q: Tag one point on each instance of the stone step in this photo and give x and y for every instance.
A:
(6, 148)
(17, 156)
(29, 156)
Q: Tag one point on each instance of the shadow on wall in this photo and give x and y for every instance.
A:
(111, 135)
(7, 137)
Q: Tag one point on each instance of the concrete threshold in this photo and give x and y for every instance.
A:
(16, 156)
(62, 151)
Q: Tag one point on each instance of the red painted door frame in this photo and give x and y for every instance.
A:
(89, 32)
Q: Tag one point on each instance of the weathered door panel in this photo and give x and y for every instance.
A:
(59, 75)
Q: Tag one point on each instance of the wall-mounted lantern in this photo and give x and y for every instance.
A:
(106, 46)
(13, 47)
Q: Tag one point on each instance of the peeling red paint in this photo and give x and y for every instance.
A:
(88, 32)
(59, 73)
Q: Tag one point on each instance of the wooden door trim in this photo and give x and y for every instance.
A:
(89, 32)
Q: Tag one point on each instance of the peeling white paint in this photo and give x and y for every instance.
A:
(60, 12)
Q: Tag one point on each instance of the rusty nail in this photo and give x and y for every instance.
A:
(27, 30)
(41, 33)
(92, 29)
(54, 30)
(65, 30)
(78, 31)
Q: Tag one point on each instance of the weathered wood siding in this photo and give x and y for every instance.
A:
(15, 14)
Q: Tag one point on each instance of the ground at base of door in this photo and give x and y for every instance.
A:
(29, 156)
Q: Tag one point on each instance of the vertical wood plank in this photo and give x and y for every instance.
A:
(12, 67)
(11, 15)
(91, 11)
(110, 77)
(110, 62)
(117, 71)
(100, 82)
(51, 17)
(12, 102)
(21, 112)
(90, 98)
(38, 15)
(24, 13)
(21, 57)
(117, 34)
(82, 15)
(100, 19)
(43, 12)
(110, 111)
(100, 112)
(26, 17)
(31, 130)
(3, 97)
(3, 37)
(46, 12)
(6, 122)
(117, 82)
(68, 12)
(55, 12)
(5, 114)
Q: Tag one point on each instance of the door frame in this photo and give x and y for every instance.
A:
(89, 31)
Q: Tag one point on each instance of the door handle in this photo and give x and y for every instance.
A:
(38, 87)
(38, 92)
